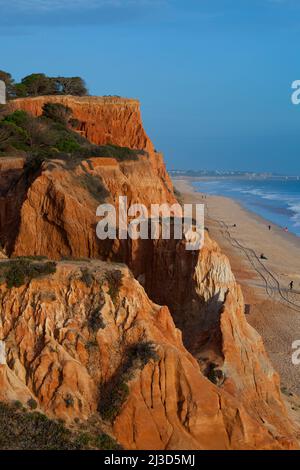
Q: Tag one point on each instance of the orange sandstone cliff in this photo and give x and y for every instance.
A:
(189, 375)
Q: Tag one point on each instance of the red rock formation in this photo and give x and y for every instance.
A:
(103, 120)
(172, 402)
(55, 351)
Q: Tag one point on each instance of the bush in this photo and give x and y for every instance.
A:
(114, 280)
(86, 277)
(143, 352)
(68, 145)
(57, 112)
(20, 271)
(32, 431)
(105, 442)
(94, 185)
(111, 404)
(32, 404)
(95, 321)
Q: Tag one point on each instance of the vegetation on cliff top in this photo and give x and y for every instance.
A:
(51, 136)
(18, 272)
(24, 430)
(38, 84)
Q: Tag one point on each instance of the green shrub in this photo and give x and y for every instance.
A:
(20, 271)
(111, 404)
(143, 352)
(95, 320)
(57, 112)
(25, 430)
(68, 145)
(114, 280)
(86, 277)
(105, 442)
(32, 404)
(94, 185)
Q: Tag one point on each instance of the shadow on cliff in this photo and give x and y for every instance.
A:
(12, 197)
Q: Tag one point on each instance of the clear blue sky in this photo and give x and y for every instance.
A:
(214, 76)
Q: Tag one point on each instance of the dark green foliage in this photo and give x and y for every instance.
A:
(114, 279)
(93, 184)
(38, 84)
(92, 344)
(114, 394)
(119, 153)
(110, 405)
(68, 144)
(23, 430)
(143, 352)
(32, 431)
(95, 321)
(105, 442)
(17, 405)
(57, 112)
(86, 277)
(70, 86)
(20, 271)
(32, 404)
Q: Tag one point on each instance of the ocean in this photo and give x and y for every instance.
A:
(278, 200)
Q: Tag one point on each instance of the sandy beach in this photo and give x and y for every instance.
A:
(272, 309)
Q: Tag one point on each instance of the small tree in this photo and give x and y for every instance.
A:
(57, 112)
(38, 84)
(70, 86)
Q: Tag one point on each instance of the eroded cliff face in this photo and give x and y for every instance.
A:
(68, 336)
(67, 339)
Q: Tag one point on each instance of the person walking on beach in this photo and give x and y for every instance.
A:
(269, 227)
(291, 285)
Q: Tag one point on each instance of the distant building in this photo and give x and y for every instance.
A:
(2, 92)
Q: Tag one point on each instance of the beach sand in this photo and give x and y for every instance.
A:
(272, 309)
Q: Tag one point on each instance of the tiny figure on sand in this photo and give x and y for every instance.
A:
(291, 285)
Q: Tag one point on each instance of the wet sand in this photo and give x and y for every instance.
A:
(273, 310)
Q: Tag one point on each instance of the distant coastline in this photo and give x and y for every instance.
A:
(209, 175)
(276, 200)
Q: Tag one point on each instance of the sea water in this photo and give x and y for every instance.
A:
(277, 200)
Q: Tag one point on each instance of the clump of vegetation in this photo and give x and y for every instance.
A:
(94, 186)
(105, 442)
(32, 404)
(95, 320)
(92, 344)
(143, 353)
(110, 405)
(52, 136)
(86, 277)
(114, 394)
(114, 280)
(215, 375)
(58, 113)
(31, 430)
(38, 84)
(119, 153)
(18, 272)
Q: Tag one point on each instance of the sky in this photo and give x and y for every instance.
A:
(213, 76)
